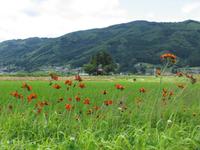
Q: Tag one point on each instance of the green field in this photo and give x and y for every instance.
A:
(152, 119)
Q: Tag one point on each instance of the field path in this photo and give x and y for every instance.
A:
(86, 78)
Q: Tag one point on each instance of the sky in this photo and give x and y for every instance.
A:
(21, 19)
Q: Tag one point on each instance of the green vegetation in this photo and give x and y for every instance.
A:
(100, 64)
(129, 44)
(134, 120)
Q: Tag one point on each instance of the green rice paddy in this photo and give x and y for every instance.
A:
(134, 120)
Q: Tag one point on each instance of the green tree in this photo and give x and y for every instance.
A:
(101, 63)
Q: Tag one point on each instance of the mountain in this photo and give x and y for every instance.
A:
(128, 43)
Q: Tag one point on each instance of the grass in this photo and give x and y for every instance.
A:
(134, 121)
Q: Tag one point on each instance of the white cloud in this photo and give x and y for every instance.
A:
(191, 7)
(50, 18)
(150, 16)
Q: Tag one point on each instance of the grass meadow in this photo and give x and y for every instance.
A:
(116, 113)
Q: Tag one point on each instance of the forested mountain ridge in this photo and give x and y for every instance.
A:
(128, 43)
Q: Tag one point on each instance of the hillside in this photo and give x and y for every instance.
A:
(129, 43)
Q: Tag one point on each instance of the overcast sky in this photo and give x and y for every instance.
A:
(52, 18)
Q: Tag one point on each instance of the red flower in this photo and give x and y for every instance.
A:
(189, 76)
(26, 86)
(70, 99)
(87, 101)
(77, 98)
(108, 102)
(171, 93)
(53, 76)
(29, 88)
(56, 86)
(142, 90)
(168, 55)
(78, 78)
(39, 110)
(15, 94)
(96, 108)
(68, 107)
(192, 79)
(172, 57)
(41, 104)
(158, 71)
(31, 97)
(68, 82)
(119, 86)
(81, 85)
(164, 92)
(179, 74)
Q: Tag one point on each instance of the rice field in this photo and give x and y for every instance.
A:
(116, 113)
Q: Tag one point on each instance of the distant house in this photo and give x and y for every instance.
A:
(83, 74)
(145, 68)
(192, 70)
(150, 71)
